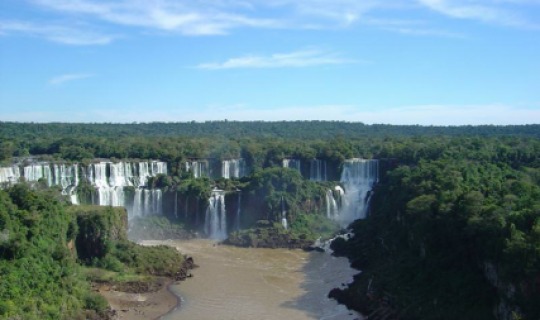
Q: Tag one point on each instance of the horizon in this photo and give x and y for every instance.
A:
(397, 62)
(135, 123)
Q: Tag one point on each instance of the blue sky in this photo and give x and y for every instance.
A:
(441, 62)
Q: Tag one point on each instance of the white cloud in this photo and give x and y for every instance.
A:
(494, 12)
(306, 58)
(61, 79)
(219, 17)
(185, 17)
(55, 33)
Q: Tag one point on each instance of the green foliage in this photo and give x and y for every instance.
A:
(313, 226)
(98, 229)
(276, 189)
(439, 219)
(39, 278)
(39, 274)
(155, 260)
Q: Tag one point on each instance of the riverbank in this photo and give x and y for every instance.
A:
(146, 297)
(157, 301)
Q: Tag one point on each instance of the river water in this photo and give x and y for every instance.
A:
(247, 283)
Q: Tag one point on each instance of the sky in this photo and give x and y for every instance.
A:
(428, 62)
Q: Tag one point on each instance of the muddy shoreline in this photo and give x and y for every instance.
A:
(144, 300)
(141, 305)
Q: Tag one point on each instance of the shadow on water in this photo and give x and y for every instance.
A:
(323, 272)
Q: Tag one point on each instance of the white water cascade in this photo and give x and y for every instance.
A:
(283, 215)
(358, 178)
(292, 164)
(35, 172)
(146, 202)
(238, 212)
(215, 223)
(9, 175)
(107, 178)
(233, 168)
(331, 206)
(68, 178)
(317, 171)
(110, 179)
(198, 168)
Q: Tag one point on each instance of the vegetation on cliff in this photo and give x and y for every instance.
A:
(453, 235)
(47, 246)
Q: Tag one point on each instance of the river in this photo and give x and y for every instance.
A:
(247, 283)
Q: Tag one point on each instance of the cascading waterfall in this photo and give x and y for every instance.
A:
(233, 168)
(109, 180)
(35, 172)
(358, 178)
(333, 202)
(145, 202)
(317, 171)
(9, 175)
(198, 168)
(121, 174)
(292, 164)
(66, 176)
(109, 183)
(283, 215)
(215, 223)
(331, 206)
(149, 169)
(238, 210)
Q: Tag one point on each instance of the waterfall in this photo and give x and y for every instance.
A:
(331, 205)
(317, 171)
(9, 175)
(238, 208)
(292, 164)
(283, 215)
(198, 168)
(215, 223)
(110, 179)
(233, 168)
(34, 172)
(145, 202)
(147, 170)
(358, 178)
(137, 210)
(66, 176)
(121, 174)
(111, 197)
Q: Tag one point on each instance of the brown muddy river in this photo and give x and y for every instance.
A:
(246, 284)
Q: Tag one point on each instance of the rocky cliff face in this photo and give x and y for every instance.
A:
(97, 227)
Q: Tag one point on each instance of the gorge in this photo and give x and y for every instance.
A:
(432, 213)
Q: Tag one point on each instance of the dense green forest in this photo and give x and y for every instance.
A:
(454, 223)
(259, 129)
(50, 250)
(452, 235)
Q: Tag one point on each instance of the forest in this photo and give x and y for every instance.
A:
(51, 252)
(453, 229)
